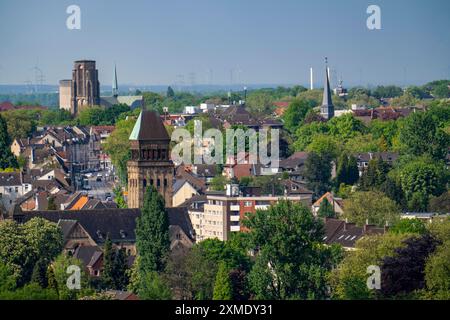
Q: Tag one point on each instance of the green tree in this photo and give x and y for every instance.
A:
(371, 206)
(22, 245)
(152, 232)
(441, 203)
(108, 268)
(422, 178)
(375, 175)
(403, 272)
(292, 263)
(318, 173)
(295, 114)
(441, 91)
(117, 146)
(7, 159)
(51, 203)
(153, 287)
(306, 133)
(218, 183)
(39, 275)
(409, 226)
(325, 144)
(348, 280)
(259, 103)
(347, 170)
(326, 209)
(421, 135)
(387, 92)
(203, 261)
(437, 274)
(7, 281)
(21, 123)
(345, 127)
(60, 266)
(119, 198)
(120, 269)
(406, 100)
(170, 93)
(222, 287)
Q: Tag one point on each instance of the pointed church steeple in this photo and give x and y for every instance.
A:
(115, 87)
(327, 108)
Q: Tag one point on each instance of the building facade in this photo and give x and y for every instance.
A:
(150, 164)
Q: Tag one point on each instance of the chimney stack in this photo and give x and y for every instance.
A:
(311, 78)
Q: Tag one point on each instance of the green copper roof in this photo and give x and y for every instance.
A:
(137, 127)
(149, 127)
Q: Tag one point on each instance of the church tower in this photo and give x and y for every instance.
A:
(115, 87)
(150, 163)
(327, 108)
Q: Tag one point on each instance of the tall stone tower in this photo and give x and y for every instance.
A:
(85, 85)
(327, 108)
(150, 163)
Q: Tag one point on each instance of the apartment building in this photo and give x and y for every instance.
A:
(218, 214)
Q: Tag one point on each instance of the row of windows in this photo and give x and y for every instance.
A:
(15, 189)
(215, 202)
(213, 212)
(213, 222)
(134, 182)
(151, 154)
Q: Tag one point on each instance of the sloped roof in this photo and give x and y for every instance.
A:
(148, 127)
(120, 224)
(88, 254)
(66, 226)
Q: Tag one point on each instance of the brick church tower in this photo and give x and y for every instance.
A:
(150, 163)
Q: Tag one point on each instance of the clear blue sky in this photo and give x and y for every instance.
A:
(269, 41)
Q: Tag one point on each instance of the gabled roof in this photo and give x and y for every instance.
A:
(88, 255)
(66, 226)
(120, 224)
(10, 179)
(346, 234)
(149, 127)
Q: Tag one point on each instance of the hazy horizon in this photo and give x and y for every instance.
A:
(227, 43)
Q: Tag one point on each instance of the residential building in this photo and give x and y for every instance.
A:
(224, 211)
(336, 203)
(346, 234)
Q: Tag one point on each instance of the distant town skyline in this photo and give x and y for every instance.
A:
(226, 42)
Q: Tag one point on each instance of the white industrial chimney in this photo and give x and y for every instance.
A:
(311, 78)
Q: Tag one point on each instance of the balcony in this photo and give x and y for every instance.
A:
(262, 206)
(235, 228)
(234, 207)
(234, 217)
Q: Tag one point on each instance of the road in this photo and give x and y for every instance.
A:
(100, 188)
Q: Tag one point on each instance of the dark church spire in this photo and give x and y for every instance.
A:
(115, 87)
(327, 108)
